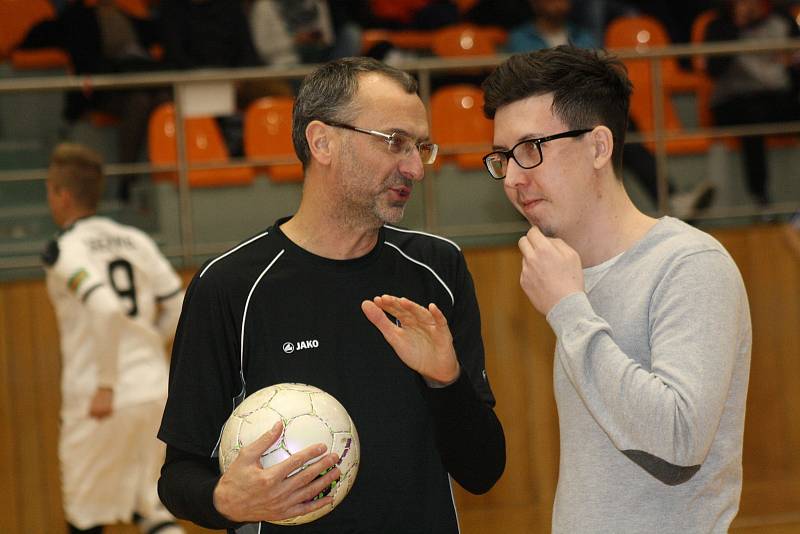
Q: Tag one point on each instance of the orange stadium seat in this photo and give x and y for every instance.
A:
(204, 144)
(19, 16)
(458, 123)
(467, 40)
(465, 5)
(698, 34)
(641, 32)
(268, 133)
(139, 9)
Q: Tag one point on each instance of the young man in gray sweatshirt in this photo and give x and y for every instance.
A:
(651, 315)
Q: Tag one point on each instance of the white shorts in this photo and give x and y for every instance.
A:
(110, 467)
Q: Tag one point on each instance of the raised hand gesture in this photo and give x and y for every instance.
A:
(422, 338)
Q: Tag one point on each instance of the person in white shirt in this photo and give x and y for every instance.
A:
(117, 301)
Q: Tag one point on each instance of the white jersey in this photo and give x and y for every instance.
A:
(98, 260)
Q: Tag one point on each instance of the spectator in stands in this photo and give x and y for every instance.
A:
(213, 33)
(100, 38)
(503, 14)
(413, 14)
(752, 88)
(287, 32)
(206, 33)
(551, 27)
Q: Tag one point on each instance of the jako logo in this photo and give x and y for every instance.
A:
(290, 347)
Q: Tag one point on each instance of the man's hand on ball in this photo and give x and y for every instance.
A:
(248, 492)
(422, 339)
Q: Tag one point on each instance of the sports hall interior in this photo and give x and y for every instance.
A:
(199, 199)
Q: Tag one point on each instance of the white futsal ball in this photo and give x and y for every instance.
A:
(309, 416)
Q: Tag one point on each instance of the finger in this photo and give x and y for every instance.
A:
(390, 304)
(376, 316)
(537, 238)
(437, 314)
(298, 460)
(317, 487)
(254, 451)
(306, 507)
(403, 309)
(412, 310)
(313, 471)
(525, 246)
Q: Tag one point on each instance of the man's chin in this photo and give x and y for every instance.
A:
(393, 214)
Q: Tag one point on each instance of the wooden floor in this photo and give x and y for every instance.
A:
(520, 521)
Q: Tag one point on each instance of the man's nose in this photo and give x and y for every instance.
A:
(411, 166)
(515, 175)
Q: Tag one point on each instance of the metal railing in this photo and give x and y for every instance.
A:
(425, 69)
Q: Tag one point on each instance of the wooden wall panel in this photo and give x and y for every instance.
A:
(9, 498)
(519, 348)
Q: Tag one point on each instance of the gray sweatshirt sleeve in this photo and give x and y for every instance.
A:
(664, 417)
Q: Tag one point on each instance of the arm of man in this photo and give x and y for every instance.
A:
(107, 318)
(469, 436)
(69, 265)
(169, 311)
(664, 418)
(167, 288)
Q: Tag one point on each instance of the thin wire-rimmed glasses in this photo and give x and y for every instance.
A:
(527, 153)
(399, 143)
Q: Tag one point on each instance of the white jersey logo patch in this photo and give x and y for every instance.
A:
(290, 347)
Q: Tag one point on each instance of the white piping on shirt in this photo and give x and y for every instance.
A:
(247, 304)
(423, 233)
(409, 258)
(231, 251)
(453, 499)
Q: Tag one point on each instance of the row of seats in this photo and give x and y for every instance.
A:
(464, 134)
(464, 126)
(17, 17)
(457, 124)
(640, 33)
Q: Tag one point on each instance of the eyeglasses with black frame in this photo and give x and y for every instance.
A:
(527, 153)
(398, 142)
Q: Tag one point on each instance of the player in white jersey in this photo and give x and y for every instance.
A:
(117, 301)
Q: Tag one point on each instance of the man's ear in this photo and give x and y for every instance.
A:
(318, 137)
(603, 144)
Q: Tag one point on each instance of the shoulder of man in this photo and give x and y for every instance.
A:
(249, 257)
(53, 248)
(422, 242)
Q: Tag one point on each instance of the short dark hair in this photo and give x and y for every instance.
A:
(78, 169)
(326, 93)
(589, 87)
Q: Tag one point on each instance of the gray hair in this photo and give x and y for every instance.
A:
(325, 95)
